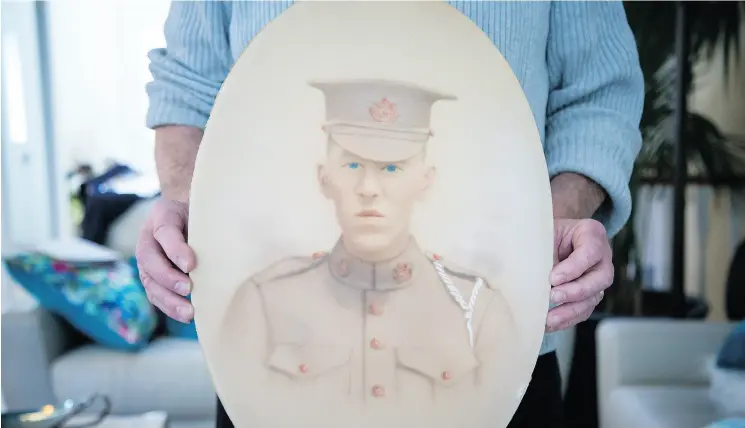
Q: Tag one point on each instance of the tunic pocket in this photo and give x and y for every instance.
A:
(319, 367)
(442, 368)
(308, 361)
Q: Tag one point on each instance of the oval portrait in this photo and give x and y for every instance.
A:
(371, 216)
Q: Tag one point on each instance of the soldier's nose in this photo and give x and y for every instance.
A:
(368, 185)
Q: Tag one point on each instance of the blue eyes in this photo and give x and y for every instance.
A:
(387, 168)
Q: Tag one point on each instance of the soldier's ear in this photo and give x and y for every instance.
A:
(429, 178)
(323, 180)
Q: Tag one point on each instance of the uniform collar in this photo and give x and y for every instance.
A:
(387, 275)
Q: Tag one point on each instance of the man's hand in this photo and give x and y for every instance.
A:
(162, 245)
(162, 241)
(582, 271)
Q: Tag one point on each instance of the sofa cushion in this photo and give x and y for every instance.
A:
(169, 375)
(105, 301)
(728, 423)
(660, 407)
(727, 391)
(732, 354)
(182, 331)
(173, 328)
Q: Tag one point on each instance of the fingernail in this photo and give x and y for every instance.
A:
(182, 264)
(557, 297)
(182, 288)
(552, 322)
(558, 278)
(184, 312)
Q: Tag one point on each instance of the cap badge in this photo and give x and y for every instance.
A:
(384, 111)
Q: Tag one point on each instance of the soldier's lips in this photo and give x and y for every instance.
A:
(370, 213)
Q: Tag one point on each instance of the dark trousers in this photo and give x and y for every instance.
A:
(541, 406)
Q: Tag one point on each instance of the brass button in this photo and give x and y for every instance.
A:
(342, 268)
(378, 391)
(376, 344)
(376, 309)
(446, 375)
(303, 368)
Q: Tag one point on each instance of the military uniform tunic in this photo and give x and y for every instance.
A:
(333, 334)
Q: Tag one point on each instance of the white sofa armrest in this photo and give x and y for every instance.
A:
(31, 341)
(123, 233)
(655, 351)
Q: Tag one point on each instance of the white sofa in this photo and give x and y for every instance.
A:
(43, 362)
(652, 372)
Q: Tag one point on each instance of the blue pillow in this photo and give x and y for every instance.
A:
(173, 328)
(728, 423)
(732, 354)
(106, 302)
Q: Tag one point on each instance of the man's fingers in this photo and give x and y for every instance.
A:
(567, 315)
(580, 279)
(591, 283)
(171, 304)
(585, 255)
(153, 264)
(171, 239)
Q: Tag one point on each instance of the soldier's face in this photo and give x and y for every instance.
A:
(374, 200)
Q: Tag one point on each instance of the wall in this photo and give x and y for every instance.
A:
(99, 69)
(723, 101)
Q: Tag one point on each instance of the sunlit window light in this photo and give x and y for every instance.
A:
(13, 87)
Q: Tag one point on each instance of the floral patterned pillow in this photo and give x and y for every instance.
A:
(106, 302)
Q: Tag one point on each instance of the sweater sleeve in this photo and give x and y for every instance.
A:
(595, 102)
(189, 70)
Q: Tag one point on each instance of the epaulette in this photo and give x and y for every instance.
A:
(454, 269)
(289, 266)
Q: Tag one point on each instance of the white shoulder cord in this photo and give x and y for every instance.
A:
(455, 293)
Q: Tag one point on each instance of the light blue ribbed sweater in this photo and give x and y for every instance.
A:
(576, 62)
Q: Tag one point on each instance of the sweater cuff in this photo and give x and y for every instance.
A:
(164, 111)
(607, 162)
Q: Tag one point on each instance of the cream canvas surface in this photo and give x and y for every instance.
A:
(371, 215)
